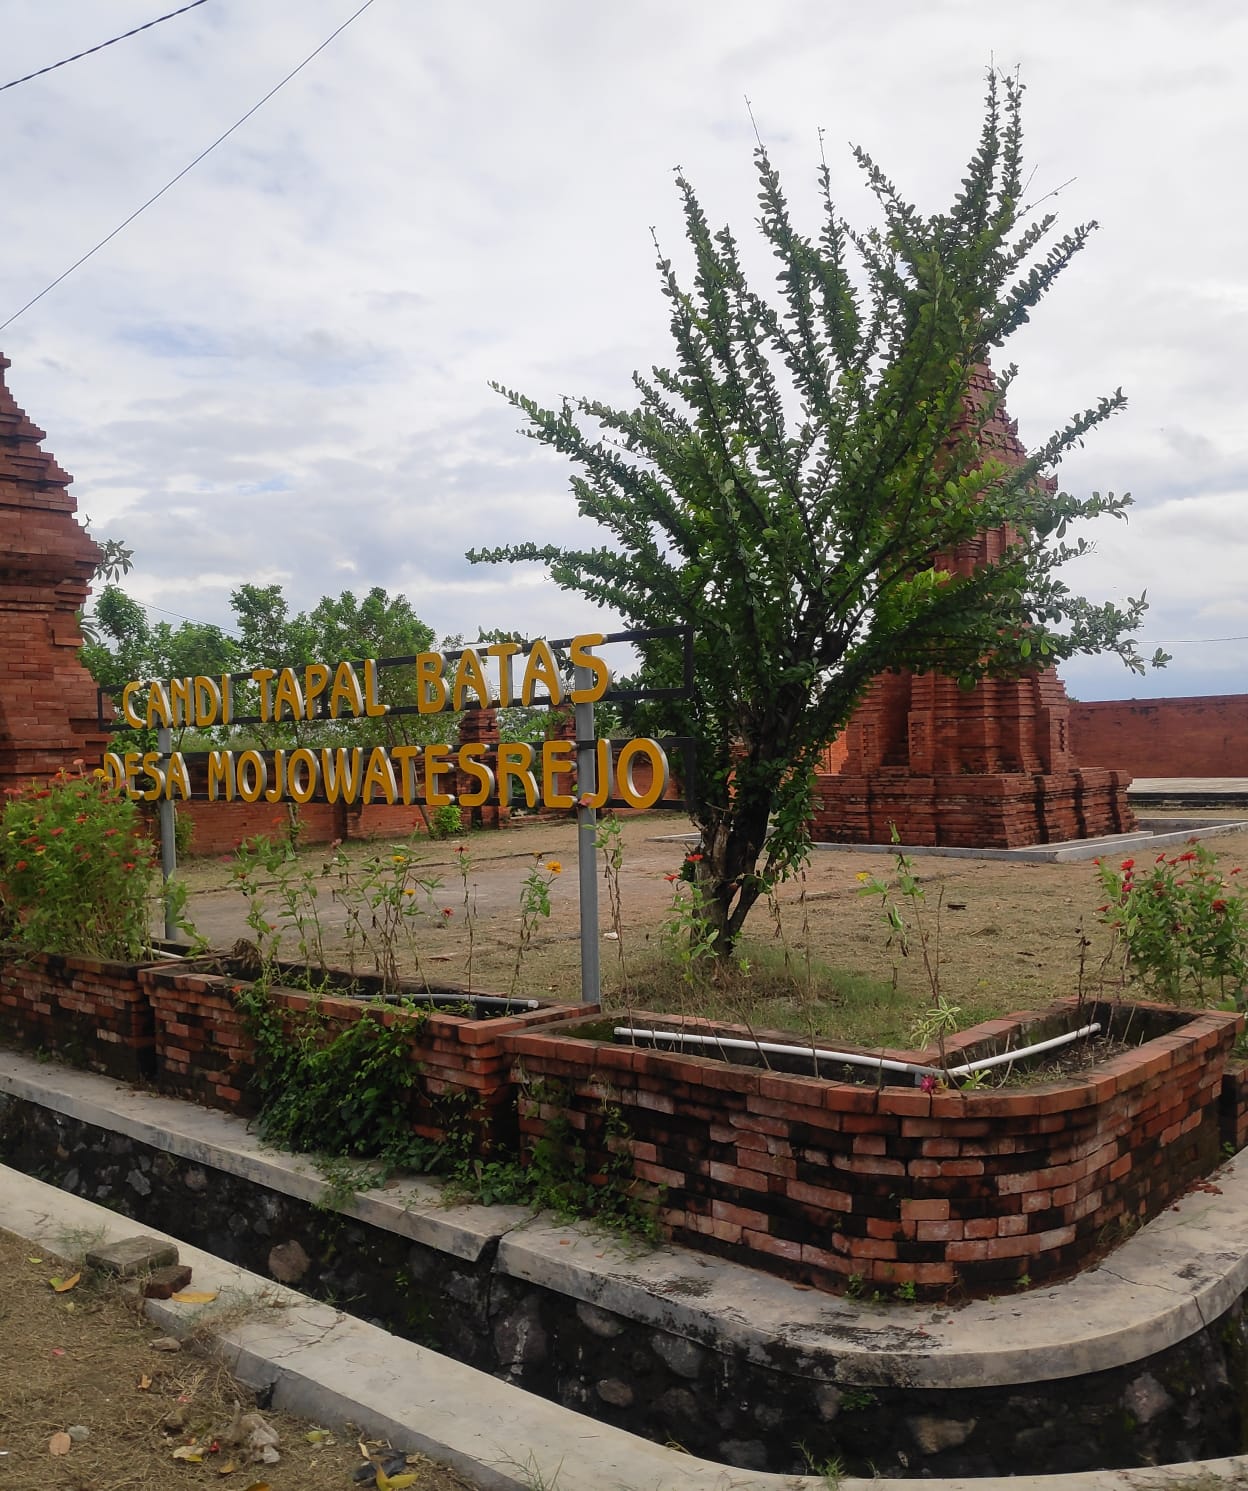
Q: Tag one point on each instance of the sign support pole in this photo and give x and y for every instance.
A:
(586, 834)
(168, 847)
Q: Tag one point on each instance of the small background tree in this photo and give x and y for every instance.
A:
(794, 484)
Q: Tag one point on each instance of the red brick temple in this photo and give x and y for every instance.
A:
(47, 698)
(991, 767)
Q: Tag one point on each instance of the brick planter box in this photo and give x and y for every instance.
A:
(846, 1184)
(204, 1053)
(87, 1011)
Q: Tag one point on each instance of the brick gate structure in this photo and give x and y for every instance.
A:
(989, 767)
(48, 715)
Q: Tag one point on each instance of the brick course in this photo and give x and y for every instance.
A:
(95, 1014)
(819, 1180)
(203, 1052)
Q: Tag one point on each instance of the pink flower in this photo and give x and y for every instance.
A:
(928, 1084)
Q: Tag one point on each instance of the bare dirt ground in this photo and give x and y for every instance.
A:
(1009, 934)
(82, 1359)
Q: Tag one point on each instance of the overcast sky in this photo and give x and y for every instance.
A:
(280, 371)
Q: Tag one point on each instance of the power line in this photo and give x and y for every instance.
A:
(147, 25)
(1188, 641)
(77, 264)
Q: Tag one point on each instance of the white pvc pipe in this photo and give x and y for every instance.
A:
(771, 1048)
(1005, 1057)
(854, 1058)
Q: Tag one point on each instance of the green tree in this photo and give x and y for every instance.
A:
(794, 485)
(124, 646)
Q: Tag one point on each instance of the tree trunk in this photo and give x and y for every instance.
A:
(726, 874)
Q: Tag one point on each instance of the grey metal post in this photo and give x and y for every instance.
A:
(586, 850)
(168, 847)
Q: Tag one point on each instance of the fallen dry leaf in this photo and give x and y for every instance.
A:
(193, 1454)
(227, 1469)
(258, 1486)
(195, 1296)
(61, 1285)
(60, 1444)
(144, 1383)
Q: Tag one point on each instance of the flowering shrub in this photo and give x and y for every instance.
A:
(1184, 927)
(77, 869)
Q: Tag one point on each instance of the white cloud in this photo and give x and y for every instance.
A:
(280, 371)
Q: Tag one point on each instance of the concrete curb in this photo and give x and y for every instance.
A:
(328, 1367)
(1171, 1279)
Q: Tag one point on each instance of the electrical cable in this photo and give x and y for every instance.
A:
(147, 26)
(1186, 641)
(77, 264)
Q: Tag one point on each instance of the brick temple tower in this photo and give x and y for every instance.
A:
(47, 697)
(991, 767)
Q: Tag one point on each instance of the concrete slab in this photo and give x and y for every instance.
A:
(335, 1370)
(1152, 834)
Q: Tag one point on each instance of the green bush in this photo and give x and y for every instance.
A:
(77, 869)
(445, 822)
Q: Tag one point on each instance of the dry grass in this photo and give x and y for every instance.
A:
(1009, 933)
(79, 1358)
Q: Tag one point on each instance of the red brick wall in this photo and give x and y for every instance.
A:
(219, 827)
(1193, 737)
(203, 1053)
(821, 1180)
(92, 1013)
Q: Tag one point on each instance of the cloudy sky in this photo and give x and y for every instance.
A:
(280, 371)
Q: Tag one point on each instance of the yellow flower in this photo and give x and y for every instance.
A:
(400, 859)
(554, 867)
(409, 890)
(863, 875)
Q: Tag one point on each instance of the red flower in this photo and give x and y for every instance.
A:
(1127, 864)
(1218, 905)
(670, 878)
(1183, 858)
(20, 865)
(128, 864)
(448, 911)
(692, 859)
(110, 833)
(55, 833)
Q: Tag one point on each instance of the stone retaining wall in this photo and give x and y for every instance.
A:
(702, 1390)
